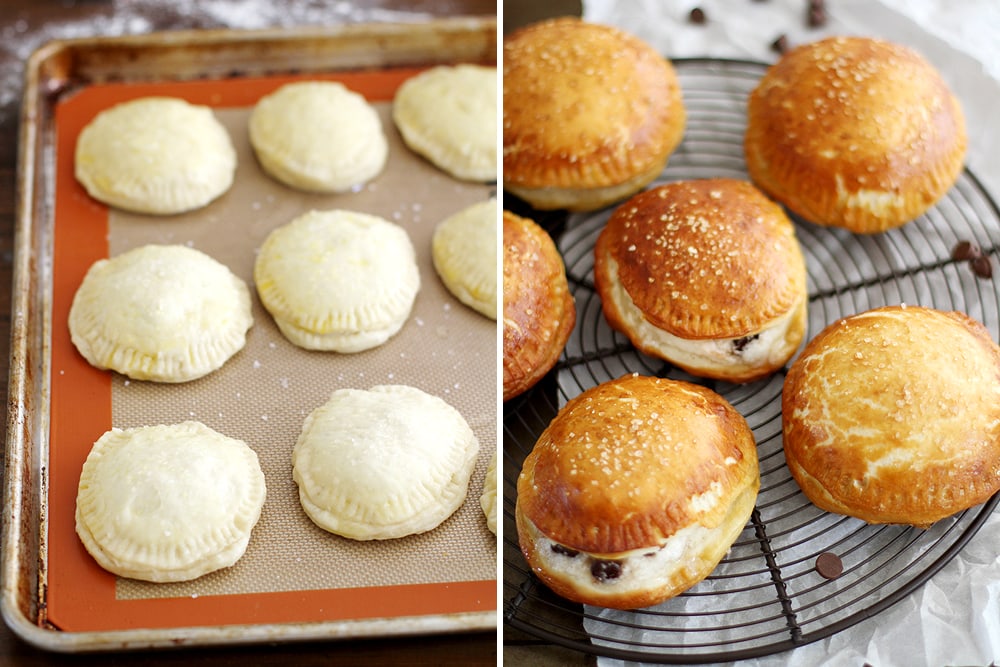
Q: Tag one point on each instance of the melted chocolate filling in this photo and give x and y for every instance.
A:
(740, 344)
(606, 569)
(565, 551)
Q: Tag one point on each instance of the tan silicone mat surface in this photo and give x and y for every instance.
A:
(263, 393)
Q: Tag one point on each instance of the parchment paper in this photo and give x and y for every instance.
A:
(954, 619)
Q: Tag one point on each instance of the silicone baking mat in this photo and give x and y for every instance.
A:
(292, 571)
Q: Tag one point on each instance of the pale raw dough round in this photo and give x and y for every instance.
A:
(488, 500)
(318, 136)
(338, 280)
(166, 313)
(384, 463)
(157, 155)
(169, 502)
(448, 114)
(464, 251)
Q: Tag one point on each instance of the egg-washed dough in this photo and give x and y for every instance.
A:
(384, 463)
(488, 500)
(854, 132)
(464, 250)
(318, 136)
(448, 114)
(166, 313)
(158, 155)
(338, 280)
(168, 502)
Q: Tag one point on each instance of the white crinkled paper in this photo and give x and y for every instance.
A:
(953, 619)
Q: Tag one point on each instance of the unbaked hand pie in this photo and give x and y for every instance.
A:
(538, 309)
(893, 416)
(590, 114)
(383, 463)
(464, 252)
(338, 280)
(854, 132)
(706, 274)
(166, 313)
(488, 500)
(168, 502)
(318, 136)
(158, 155)
(448, 114)
(635, 491)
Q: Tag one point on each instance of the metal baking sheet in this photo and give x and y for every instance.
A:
(445, 348)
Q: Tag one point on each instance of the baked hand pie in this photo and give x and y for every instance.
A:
(854, 132)
(590, 114)
(706, 274)
(893, 416)
(635, 491)
(538, 309)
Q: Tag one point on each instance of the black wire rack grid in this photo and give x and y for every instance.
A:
(766, 596)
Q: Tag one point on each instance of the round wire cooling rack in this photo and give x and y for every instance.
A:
(766, 596)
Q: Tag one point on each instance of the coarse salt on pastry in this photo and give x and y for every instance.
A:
(706, 274)
(854, 132)
(635, 491)
(590, 114)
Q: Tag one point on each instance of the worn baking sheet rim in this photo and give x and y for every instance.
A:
(30, 362)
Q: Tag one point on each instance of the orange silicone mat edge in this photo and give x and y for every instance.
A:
(80, 595)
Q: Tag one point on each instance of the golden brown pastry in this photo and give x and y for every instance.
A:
(854, 132)
(706, 274)
(538, 309)
(590, 114)
(636, 491)
(893, 416)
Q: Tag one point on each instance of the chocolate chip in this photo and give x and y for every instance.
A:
(829, 565)
(817, 18)
(740, 344)
(982, 266)
(565, 551)
(697, 16)
(966, 250)
(780, 45)
(816, 14)
(606, 569)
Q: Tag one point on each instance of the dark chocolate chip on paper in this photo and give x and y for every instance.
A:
(829, 565)
(966, 250)
(982, 266)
